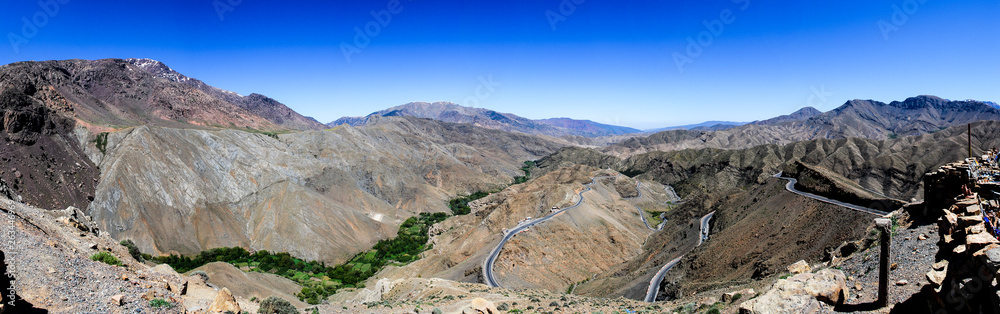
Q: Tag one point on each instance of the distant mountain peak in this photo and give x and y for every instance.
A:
(804, 113)
(455, 113)
(261, 105)
(159, 69)
(807, 111)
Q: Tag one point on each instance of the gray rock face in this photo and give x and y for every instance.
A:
(322, 195)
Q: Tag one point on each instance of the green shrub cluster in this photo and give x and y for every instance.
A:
(107, 258)
(460, 206)
(527, 172)
(133, 250)
(102, 142)
(320, 281)
(276, 305)
(404, 248)
(160, 303)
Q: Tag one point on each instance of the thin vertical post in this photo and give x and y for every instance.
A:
(970, 140)
(885, 225)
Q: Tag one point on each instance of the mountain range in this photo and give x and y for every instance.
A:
(450, 112)
(176, 166)
(856, 118)
(704, 126)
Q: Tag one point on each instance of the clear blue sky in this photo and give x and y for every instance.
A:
(607, 61)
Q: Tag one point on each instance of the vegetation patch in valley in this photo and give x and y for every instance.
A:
(654, 217)
(318, 280)
(527, 172)
(101, 142)
(460, 205)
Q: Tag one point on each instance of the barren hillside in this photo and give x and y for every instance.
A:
(855, 119)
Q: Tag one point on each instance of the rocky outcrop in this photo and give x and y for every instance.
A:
(42, 163)
(224, 302)
(480, 306)
(801, 293)
(53, 272)
(799, 267)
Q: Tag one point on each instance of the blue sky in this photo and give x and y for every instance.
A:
(607, 61)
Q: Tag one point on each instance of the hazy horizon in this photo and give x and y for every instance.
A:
(642, 65)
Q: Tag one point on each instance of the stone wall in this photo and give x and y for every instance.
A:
(965, 274)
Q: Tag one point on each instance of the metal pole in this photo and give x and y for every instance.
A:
(883, 275)
(970, 140)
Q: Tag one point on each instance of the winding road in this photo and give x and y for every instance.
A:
(654, 284)
(492, 258)
(644, 221)
(791, 188)
(495, 253)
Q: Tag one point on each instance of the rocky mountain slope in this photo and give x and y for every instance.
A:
(856, 118)
(450, 112)
(798, 115)
(115, 93)
(42, 164)
(321, 195)
(605, 231)
(752, 207)
(137, 144)
(258, 104)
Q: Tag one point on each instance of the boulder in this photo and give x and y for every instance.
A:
(942, 265)
(481, 306)
(730, 297)
(966, 221)
(785, 297)
(801, 293)
(973, 210)
(164, 269)
(828, 285)
(950, 218)
(117, 300)
(799, 267)
(993, 256)
(382, 286)
(224, 301)
(936, 277)
(980, 239)
(959, 249)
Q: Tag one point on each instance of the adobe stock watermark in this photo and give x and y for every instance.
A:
(713, 29)
(959, 296)
(363, 36)
(566, 8)
(31, 27)
(225, 6)
(818, 96)
(900, 15)
(487, 86)
(10, 240)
